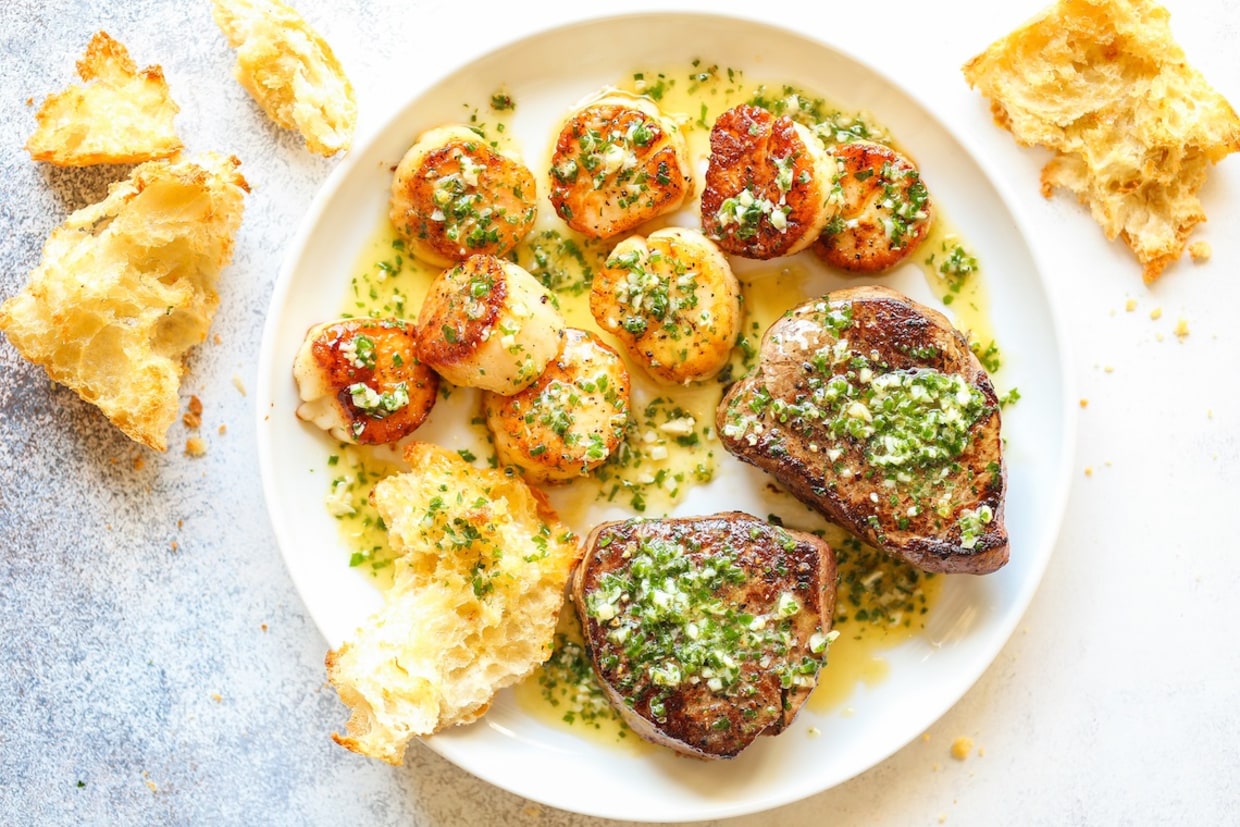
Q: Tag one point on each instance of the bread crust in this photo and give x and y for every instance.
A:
(1134, 127)
(119, 115)
(290, 71)
(127, 287)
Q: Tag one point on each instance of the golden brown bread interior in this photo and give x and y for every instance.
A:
(120, 115)
(472, 609)
(291, 71)
(1133, 126)
(127, 286)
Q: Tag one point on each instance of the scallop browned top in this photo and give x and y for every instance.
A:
(462, 198)
(382, 389)
(885, 214)
(618, 163)
(767, 187)
(468, 300)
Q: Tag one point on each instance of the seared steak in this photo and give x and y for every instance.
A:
(871, 408)
(705, 632)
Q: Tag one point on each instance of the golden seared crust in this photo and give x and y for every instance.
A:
(127, 286)
(461, 311)
(489, 324)
(360, 380)
(705, 632)
(472, 609)
(885, 211)
(672, 301)
(121, 115)
(454, 196)
(873, 410)
(291, 71)
(571, 419)
(618, 162)
(1134, 128)
(768, 185)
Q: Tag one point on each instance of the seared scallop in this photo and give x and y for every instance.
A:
(885, 213)
(359, 380)
(619, 162)
(453, 195)
(672, 301)
(486, 323)
(568, 422)
(769, 184)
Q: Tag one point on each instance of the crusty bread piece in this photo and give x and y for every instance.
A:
(291, 71)
(119, 116)
(472, 609)
(127, 286)
(1134, 127)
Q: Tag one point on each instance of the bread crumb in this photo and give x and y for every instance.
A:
(193, 415)
(149, 783)
(1156, 313)
(1200, 251)
(925, 737)
(814, 732)
(1084, 403)
(217, 339)
(195, 446)
(173, 546)
(942, 818)
(1108, 368)
(961, 748)
(1181, 328)
(138, 463)
(1089, 470)
(238, 385)
(1130, 305)
(981, 751)
(531, 811)
(263, 626)
(223, 429)
(217, 697)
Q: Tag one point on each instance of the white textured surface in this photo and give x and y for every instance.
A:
(138, 682)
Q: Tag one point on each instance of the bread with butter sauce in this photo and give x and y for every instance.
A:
(472, 609)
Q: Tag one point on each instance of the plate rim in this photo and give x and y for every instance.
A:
(294, 253)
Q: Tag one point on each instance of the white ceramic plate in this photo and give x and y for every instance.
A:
(975, 615)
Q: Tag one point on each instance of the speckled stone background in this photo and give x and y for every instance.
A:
(157, 667)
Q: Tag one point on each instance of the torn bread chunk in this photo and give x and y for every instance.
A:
(472, 609)
(291, 71)
(119, 115)
(127, 286)
(1133, 126)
